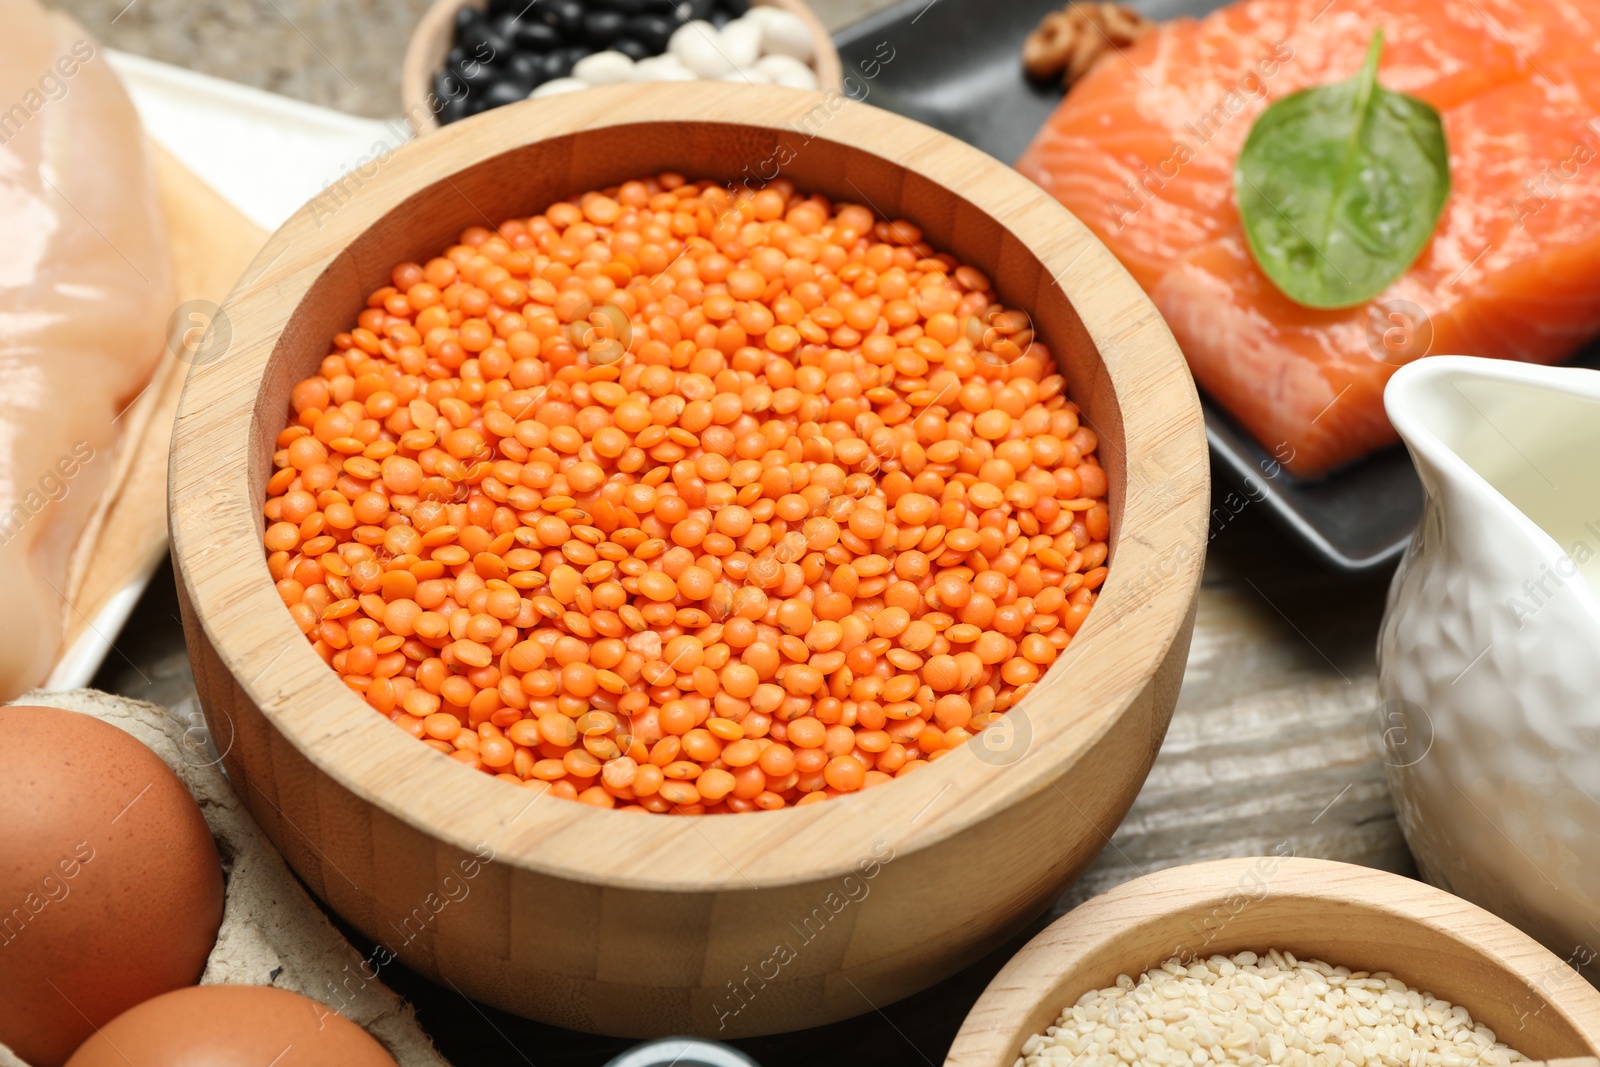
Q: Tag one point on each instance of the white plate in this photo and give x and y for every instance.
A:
(266, 154)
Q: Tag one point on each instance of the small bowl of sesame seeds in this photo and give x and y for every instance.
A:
(1279, 960)
(695, 562)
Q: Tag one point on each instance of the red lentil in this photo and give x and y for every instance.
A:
(706, 502)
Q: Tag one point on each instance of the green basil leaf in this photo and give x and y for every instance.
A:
(1340, 186)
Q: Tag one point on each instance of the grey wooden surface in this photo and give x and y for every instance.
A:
(1272, 744)
(1271, 741)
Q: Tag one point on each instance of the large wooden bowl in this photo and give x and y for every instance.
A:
(641, 925)
(430, 44)
(1336, 912)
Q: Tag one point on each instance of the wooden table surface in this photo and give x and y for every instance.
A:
(1271, 742)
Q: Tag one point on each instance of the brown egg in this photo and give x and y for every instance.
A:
(110, 885)
(231, 1026)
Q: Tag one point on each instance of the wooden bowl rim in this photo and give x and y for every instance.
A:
(424, 55)
(1157, 548)
(986, 1036)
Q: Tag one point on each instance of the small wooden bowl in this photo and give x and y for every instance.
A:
(1336, 912)
(430, 43)
(652, 925)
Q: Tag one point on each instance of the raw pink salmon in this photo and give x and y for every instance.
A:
(1143, 150)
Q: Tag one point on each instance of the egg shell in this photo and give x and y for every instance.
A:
(786, 34)
(110, 884)
(603, 68)
(231, 1026)
(741, 42)
(698, 46)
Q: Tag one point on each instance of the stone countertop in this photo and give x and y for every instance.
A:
(341, 54)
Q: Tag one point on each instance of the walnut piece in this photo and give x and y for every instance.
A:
(1069, 43)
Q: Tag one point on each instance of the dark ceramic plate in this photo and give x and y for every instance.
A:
(955, 67)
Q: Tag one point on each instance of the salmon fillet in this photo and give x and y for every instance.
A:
(85, 291)
(1143, 151)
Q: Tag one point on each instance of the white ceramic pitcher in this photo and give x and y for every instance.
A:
(1489, 655)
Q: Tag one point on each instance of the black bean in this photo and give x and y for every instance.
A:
(453, 110)
(447, 86)
(501, 8)
(506, 91)
(466, 16)
(720, 18)
(736, 8)
(600, 28)
(698, 9)
(535, 36)
(476, 104)
(565, 15)
(650, 30)
(623, 7)
(526, 68)
(484, 43)
(549, 65)
(558, 62)
(474, 73)
(456, 56)
(633, 49)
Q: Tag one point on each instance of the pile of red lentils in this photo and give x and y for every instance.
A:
(683, 498)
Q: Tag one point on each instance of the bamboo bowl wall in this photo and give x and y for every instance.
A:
(639, 926)
(1340, 913)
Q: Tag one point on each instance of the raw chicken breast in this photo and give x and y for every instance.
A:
(85, 291)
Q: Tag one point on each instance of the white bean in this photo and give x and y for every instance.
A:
(785, 33)
(698, 46)
(749, 76)
(662, 69)
(787, 70)
(741, 41)
(557, 86)
(603, 68)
